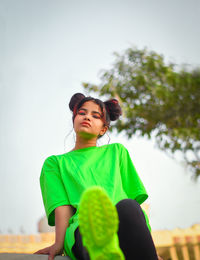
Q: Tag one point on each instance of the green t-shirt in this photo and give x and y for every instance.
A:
(64, 178)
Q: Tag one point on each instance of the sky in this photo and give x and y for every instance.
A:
(47, 49)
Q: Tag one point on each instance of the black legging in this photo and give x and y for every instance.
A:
(134, 237)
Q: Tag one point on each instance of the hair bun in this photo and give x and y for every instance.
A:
(75, 99)
(113, 108)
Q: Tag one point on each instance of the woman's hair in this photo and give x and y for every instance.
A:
(110, 109)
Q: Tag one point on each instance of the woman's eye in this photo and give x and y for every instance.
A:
(81, 113)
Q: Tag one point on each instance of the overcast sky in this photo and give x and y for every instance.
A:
(47, 49)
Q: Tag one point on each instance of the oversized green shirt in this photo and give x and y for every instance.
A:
(65, 177)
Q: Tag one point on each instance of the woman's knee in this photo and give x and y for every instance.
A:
(128, 203)
(129, 207)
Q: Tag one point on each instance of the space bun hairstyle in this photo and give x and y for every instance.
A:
(110, 109)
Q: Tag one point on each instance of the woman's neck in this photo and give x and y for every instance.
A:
(83, 143)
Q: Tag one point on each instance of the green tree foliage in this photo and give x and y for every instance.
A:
(157, 101)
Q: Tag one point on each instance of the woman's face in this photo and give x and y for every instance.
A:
(89, 113)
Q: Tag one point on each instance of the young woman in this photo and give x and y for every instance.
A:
(93, 194)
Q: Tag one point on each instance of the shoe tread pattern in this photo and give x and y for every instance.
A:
(98, 223)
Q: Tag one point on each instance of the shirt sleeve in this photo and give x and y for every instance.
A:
(131, 181)
(52, 188)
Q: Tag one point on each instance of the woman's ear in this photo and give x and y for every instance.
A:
(103, 130)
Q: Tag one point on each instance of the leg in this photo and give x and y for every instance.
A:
(78, 249)
(134, 237)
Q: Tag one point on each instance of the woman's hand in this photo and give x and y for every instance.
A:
(159, 258)
(55, 249)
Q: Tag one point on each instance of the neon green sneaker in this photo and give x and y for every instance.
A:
(98, 225)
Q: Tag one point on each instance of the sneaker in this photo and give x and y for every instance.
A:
(98, 225)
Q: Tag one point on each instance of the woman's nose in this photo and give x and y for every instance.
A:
(87, 117)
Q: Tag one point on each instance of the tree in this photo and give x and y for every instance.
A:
(157, 100)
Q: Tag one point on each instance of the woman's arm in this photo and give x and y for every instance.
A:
(62, 216)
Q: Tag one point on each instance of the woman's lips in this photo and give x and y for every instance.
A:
(85, 123)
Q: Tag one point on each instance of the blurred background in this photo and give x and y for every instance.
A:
(48, 49)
